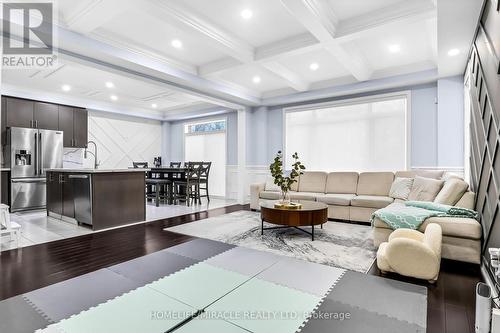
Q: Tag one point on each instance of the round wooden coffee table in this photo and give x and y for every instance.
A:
(310, 214)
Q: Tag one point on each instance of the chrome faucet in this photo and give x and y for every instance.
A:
(86, 151)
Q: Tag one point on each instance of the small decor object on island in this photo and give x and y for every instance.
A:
(285, 182)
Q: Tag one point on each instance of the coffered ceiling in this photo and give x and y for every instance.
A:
(185, 54)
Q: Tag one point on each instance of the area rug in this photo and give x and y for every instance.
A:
(338, 244)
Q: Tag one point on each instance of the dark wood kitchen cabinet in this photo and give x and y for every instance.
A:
(73, 122)
(60, 198)
(46, 116)
(18, 112)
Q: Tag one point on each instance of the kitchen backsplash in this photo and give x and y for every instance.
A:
(73, 158)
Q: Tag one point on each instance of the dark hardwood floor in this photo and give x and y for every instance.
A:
(451, 301)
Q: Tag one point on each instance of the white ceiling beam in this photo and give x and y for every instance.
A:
(385, 19)
(294, 45)
(89, 16)
(290, 77)
(223, 40)
(318, 17)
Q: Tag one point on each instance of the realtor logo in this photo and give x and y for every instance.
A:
(28, 35)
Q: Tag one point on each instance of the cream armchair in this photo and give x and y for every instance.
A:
(412, 253)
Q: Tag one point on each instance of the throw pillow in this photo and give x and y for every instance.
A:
(400, 188)
(425, 189)
(452, 191)
(271, 186)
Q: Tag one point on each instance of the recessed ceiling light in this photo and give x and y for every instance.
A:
(394, 48)
(154, 106)
(113, 97)
(66, 87)
(246, 14)
(314, 66)
(256, 79)
(453, 52)
(177, 43)
(110, 85)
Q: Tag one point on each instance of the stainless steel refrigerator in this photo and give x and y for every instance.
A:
(32, 151)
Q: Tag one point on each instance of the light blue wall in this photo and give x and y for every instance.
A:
(435, 131)
(173, 138)
(450, 120)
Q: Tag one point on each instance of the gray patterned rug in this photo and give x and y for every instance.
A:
(338, 244)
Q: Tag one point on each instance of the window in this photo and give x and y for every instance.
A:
(206, 142)
(212, 126)
(362, 135)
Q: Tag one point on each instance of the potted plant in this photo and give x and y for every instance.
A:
(285, 182)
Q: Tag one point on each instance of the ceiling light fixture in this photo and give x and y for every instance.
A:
(256, 79)
(66, 87)
(246, 14)
(154, 106)
(453, 52)
(113, 97)
(314, 66)
(110, 85)
(394, 48)
(177, 43)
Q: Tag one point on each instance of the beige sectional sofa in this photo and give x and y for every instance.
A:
(355, 196)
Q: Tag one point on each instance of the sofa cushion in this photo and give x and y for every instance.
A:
(313, 181)
(375, 183)
(434, 174)
(339, 199)
(270, 185)
(372, 201)
(453, 189)
(467, 200)
(400, 188)
(305, 195)
(425, 189)
(342, 182)
(270, 195)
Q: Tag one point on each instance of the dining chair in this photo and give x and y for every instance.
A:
(190, 184)
(205, 171)
(156, 188)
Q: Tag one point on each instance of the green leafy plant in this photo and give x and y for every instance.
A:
(285, 182)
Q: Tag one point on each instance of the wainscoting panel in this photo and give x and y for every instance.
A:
(121, 140)
(482, 81)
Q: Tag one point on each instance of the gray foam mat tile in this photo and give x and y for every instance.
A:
(63, 299)
(18, 316)
(244, 260)
(200, 249)
(152, 267)
(400, 300)
(359, 321)
(302, 275)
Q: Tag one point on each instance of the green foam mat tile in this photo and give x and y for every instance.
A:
(261, 306)
(142, 310)
(199, 285)
(199, 325)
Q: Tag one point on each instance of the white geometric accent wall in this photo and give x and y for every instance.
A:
(122, 140)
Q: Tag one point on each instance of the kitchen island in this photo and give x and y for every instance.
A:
(99, 198)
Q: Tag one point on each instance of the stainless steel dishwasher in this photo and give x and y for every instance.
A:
(82, 196)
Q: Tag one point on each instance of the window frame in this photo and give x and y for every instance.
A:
(359, 100)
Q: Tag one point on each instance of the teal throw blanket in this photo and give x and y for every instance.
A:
(414, 213)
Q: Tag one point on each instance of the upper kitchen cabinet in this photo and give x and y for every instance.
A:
(46, 116)
(73, 122)
(80, 126)
(19, 112)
